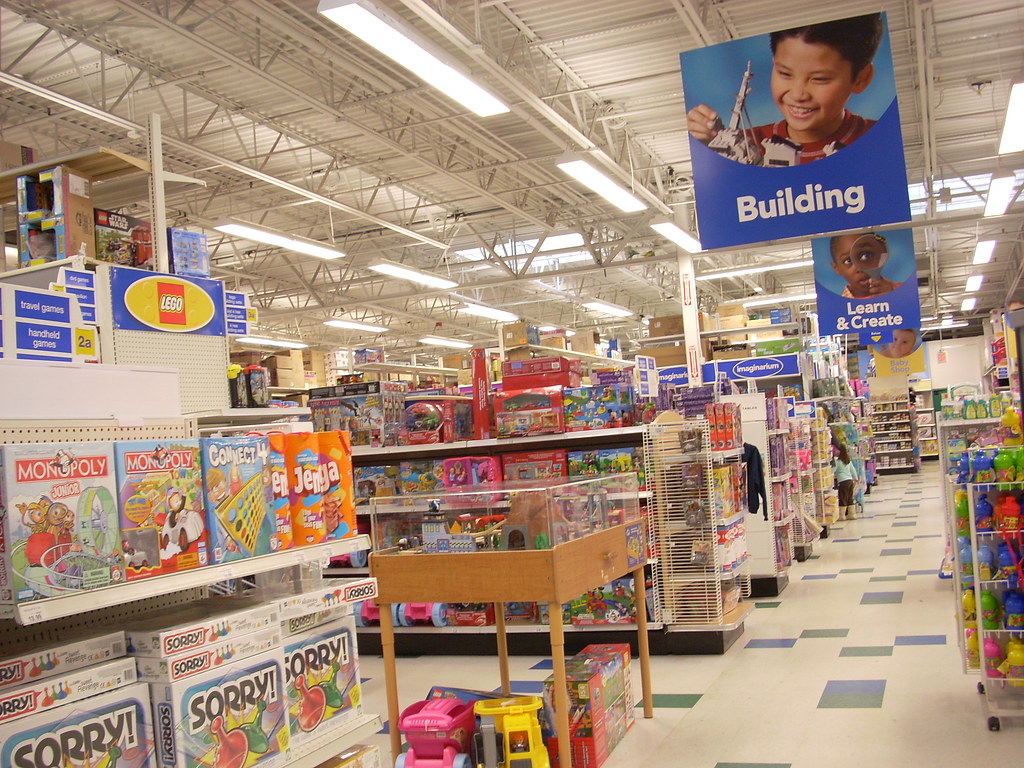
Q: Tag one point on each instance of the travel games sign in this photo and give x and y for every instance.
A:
(795, 132)
(866, 283)
(143, 301)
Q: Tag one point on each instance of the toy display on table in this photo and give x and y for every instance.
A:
(429, 420)
(160, 494)
(439, 733)
(520, 413)
(509, 734)
(61, 533)
(605, 407)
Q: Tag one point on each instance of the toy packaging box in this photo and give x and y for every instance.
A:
(160, 492)
(533, 465)
(59, 530)
(622, 651)
(470, 614)
(238, 497)
(109, 729)
(124, 240)
(189, 252)
(235, 715)
(280, 505)
(519, 413)
(201, 623)
(370, 411)
(338, 505)
(613, 603)
(41, 695)
(589, 737)
(322, 679)
(604, 407)
(436, 419)
(75, 653)
(608, 461)
(306, 486)
(169, 669)
(420, 476)
(375, 482)
(466, 472)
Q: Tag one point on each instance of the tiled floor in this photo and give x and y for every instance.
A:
(854, 664)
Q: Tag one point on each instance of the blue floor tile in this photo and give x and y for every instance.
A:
(855, 686)
(928, 536)
(895, 552)
(888, 578)
(925, 572)
(881, 598)
(544, 664)
(814, 633)
(920, 639)
(844, 541)
(857, 570)
(527, 687)
(813, 576)
(904, 524)
(780, 642)
(852, 694)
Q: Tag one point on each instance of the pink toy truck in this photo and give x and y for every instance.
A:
(439, 732)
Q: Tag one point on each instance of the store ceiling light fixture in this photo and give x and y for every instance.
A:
(492, 313)
(1012, 139)
(974, 283)
(1000, 193)
(606, 308)
(260, 341)
(279, 239)
(741, 271)
(780, 298)
(968, 305)
(586, 173)
(353, 325)
(944, 326)
(392, 38)
(439, 341)
(403, 272)
(677, 235)
(983, 251)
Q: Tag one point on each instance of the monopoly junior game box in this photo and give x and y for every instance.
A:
(110, 729)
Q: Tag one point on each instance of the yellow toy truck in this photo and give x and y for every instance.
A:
(509, 735)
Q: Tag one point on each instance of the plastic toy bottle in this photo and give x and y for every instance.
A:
(995, 405)
(1008, 514)
(1013, 607)
(973, 650)
(983, 514)
(970, 609)
(1018, 461)
(991, 613)
(966, 562)
(1007, 566)
(1012, 434)
(982, 469)
(963, 513)
(993, 657)
(1006, 470)
(1014, 664)
(970, 410)
(986, 565)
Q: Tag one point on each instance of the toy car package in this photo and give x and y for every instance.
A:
(59, 529)
(235, 715)
(322, 679)
(239, 497)
(108, 729)
(160, 493)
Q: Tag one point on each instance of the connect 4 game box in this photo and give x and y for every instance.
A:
(42, 663)
(239, 497)
(110, 730)
(58, 520)
(163, 526)
(322, 679)
(235, 715)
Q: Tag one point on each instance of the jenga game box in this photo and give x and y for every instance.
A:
(239, 498)
(338, 505)
(306, 486)
(322, 679)
(59, 531)
(235, 715)
(109, 729)
(160, 493)
(280, 509)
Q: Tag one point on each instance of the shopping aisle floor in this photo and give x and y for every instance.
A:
(856, 663)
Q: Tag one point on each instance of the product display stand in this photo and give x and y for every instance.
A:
(553, 576)
(894, 425)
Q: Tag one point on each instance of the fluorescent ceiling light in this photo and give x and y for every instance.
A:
(967, 305)
(677, 235)
(438, 341)
(288, 242)
(262, 342)
(587, 174)
(1013, 127)
(352, 325)
(391, 38)
(944, 326)
(974, 283)
(740, 271)
(490, 312)
(410, 274)
(608, 309)
(930, 317)
(983, 251)
(946, 321)
(779, 299)
(1000, 193)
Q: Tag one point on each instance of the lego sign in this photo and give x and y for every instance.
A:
(143, 301)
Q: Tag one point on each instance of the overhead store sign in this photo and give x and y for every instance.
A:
(674, 374)
(238, 314)
(866, 283)
(143, 301)
(753, 367)
(771, 160)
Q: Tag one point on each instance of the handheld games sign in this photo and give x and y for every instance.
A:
(143, 301)
(811, 141)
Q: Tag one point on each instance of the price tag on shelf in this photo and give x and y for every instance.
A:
(33, 615)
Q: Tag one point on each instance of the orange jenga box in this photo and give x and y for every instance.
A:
(336, 464)
(280, 506)
(306, 486)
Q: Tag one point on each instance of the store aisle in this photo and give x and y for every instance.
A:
(855, 664)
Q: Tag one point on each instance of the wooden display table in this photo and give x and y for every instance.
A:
(553, 576)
